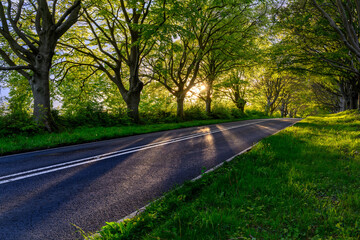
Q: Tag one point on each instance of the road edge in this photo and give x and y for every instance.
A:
(142, 209)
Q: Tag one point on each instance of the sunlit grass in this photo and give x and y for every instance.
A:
(302, 183)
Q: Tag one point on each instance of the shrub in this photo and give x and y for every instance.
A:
(195, 112)
(18, 122)
(158, 116)
(220, 111)
(93, 115)
(236, 113)
(255, 113)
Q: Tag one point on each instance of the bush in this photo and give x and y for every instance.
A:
(158, 116)
(255, 113)
(93, 115)
(18, 122)
(195, 112)
(236, 113)
(220, 111)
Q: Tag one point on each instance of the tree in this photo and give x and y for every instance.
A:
(235, 88)
(346, 23)
(321, 37)
(293, 94)
(120, 35)
(270, 85)
(327, 94)
(29, 34)
(201, 26)
(212, 66)
(236, 49)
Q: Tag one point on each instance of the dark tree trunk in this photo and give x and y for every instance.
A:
(351, 105)
(240, 104)
(272, 110)
(132, 103)
(291, 113)
(267, 109)
(242, 108)
(40, 90)
(136, 86)
(131, 96)
(282, 112)
(349, 94)
(208, 100)
(180, 106)
(40, 87)
(208, 105)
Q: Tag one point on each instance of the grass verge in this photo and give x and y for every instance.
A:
(302, 183)
(20, 143)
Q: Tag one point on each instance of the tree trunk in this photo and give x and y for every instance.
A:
(133, 97)
(240, 104)
(180, 106)
(136, 86)
(351, 101)
(132, 103)
(271, 111)
(41, 91)
(242, 108)
(267, 109)
(208, 100)
(346, 103)
(208, 105)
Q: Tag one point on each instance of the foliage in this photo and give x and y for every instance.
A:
(310, 43)
(29, 33)
(299, 184)
(18, 122)
(106, 64)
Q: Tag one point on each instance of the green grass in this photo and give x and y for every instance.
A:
(302, 183)
(22, 143)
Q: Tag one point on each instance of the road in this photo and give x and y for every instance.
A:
(43, 194)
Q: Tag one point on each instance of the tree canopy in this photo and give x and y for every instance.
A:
(162, 59)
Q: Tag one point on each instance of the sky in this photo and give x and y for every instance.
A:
(4, 92)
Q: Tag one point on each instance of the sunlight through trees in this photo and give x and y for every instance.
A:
(156, 60)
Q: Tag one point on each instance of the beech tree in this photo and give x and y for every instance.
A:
(213, 65)
(235, 88)
(346, 23)
(323, 39)
(327, 94)
(30, 31)
(270, 85)
(235, 49)
(203, 25)
(118, 36)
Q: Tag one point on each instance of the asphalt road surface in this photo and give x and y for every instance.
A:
(43, 194)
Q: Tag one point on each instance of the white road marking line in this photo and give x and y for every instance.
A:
(79, 162)
(95, 157)
(142, 209)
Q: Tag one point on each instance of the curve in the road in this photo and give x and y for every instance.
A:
(44, 206)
